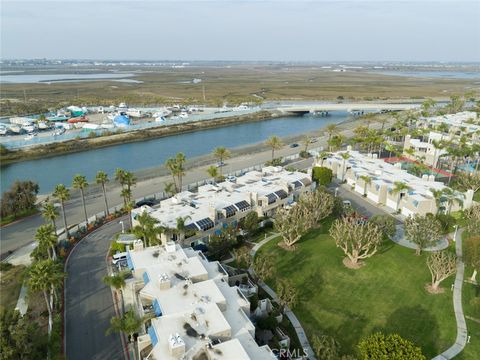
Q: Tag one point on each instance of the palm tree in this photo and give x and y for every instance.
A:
(102, 178)
(117, 281)
(331, 129)
(49, 212)
(221, 153)
(80, 182)
(127, 195)
(47, 239)
(120, 176)
(438, 196)
(44, 276)
(306, 141)
(62, 194)
(129, 179)
(451, 197)
(274, 143)
(366, 181)
(171, 165)
(180, 170)
(147, 229)
(322, 156)
(169, 188)
(345, 156)
(128, 208)
(212, 171)
(399, 188)
(129, 324)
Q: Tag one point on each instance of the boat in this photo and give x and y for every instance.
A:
(15, 128)
(29, 128)
(76, 111)
(42, 125)
(3, 130)
(159, 119)
(107, 125)
(77, 119)
(57, 118)
(183, 115)
(30, 136)
(59, 131)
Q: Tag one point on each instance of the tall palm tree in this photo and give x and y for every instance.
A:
(117, 281)
(221, 153)
(120, 176)
(169, 188)
(45, 275)
(47, 239)
(147, 229)
(62, 194)
(322, 156)
(274, 143)
(438, 196)
(129, 324)
(171, 165)
(212, 171)
(180, 170)
(366, 181)
(451, 197)
(128, 208)
(345, 156)
(306, 141)
(399, 188)
(102, 178)
(129, 179)
(49, 212)
(331, 129)
(80, 182)
(127, 196)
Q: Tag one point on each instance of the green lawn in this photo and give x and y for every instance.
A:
(10, 284)
(387, 294)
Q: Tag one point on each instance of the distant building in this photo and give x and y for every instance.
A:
(418, 199)
(215, 207)
(196, 314)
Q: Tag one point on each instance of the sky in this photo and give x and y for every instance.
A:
(246, 30)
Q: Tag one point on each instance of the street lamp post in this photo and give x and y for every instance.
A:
(455, 233)
(123, 227)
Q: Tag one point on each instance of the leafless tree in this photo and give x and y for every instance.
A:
(471, 255)
(292, 224)
(473, 217)
(287, 293)
(424, 231)
(317, 206)
(357, 239)
(442, 264)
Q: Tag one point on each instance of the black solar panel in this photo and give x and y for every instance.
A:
(271, 198)
(242, 205)
(230, 210)
(297, 184)
(205, 224)
(191, 226)
(281, 194)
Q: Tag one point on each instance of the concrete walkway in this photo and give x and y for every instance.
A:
(399, 238)
(462, 334)
(302, 337)
(22, 303)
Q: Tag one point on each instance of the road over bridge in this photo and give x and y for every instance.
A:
(350, 107)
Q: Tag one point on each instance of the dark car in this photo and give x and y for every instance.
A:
(294, 145)
(144, 202)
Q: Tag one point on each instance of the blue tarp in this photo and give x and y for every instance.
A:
(121, 120)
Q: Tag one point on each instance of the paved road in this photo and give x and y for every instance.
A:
(88, 302)
(22, 233)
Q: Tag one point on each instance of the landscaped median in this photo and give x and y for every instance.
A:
(387, 294)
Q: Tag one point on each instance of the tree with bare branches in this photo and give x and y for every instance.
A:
(317, 206)
(287, 293)
(473, 217)
(471, 255)
(441, 264)
(424, 231)
(292, 224)
(357, 239)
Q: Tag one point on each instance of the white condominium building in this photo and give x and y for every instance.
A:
(196, 314)
(215, 207)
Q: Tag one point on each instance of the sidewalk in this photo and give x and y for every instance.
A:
(462, 333)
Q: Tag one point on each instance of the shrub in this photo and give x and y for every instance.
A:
(116, 247)
(304, 154)
(267, 323)
(322, 175)
(5, 266)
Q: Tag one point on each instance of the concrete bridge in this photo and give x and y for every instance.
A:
(302, 109)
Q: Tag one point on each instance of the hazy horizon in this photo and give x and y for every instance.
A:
(243, 31)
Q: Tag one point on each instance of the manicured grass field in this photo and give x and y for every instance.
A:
(10, 284)
(387, 294)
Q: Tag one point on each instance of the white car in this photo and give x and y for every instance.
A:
(231, 178)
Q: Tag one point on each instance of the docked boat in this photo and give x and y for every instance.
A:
(59, 131)
(77, 119)
(29, 128)
(134, 112)
(3, 130)
(15, 128)
(76, 111)
(57, 118)
(183, 115)
(30, 136)
(42, 125)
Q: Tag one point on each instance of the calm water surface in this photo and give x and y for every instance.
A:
(140, 155)
(37, 78)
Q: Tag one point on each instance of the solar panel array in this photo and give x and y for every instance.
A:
(230, 210)
(205, 224)
(271, 198)
(242, 205)
(297, 184)
(191, 226)
(281, 194)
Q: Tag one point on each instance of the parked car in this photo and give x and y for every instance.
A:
(294, 145)
(231, 178)
(144, 202)
(220, 164)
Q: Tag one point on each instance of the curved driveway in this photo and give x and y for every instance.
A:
(88, 301)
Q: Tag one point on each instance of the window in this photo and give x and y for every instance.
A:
(230, 211)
